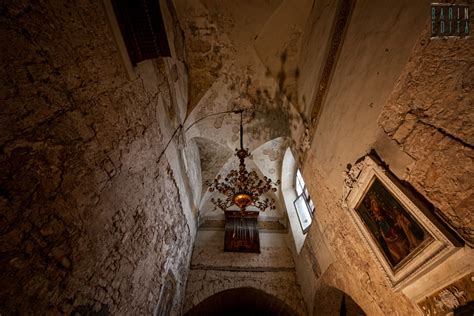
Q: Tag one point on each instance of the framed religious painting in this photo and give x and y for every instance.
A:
(404, 237)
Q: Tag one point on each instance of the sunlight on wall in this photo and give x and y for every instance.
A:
(288, 175)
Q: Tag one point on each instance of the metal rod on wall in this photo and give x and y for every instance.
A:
(241, 131)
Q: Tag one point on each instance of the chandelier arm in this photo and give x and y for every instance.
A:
(241, 187)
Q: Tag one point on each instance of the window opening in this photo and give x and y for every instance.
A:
(303, 204)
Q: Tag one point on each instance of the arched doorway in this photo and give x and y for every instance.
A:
(241, 301)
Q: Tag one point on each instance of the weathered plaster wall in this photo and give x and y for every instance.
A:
(192, 158)
(213, 270)
(317, 33)
(278, 44)
(90, 218)
(376, 46)
(430, 116)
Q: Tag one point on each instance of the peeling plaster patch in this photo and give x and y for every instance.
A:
(272, 154)
(218, 121)
(213, 157)
(255, 133)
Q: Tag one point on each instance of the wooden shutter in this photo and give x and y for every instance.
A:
(143, 31)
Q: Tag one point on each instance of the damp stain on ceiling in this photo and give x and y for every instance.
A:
(237, 61)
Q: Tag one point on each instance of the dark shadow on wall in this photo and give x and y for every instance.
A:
(90, 310)
(331, 301)
(241, 301)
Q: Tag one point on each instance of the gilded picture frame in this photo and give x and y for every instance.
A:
(404, 238)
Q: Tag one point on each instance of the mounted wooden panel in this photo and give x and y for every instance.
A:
(241, 232)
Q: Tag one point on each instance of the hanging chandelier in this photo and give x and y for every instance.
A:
(241, 187)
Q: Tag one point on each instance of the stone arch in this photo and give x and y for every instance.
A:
(279, 285)
(242, 301)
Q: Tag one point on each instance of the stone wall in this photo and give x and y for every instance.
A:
(205, 283)
(353, 270)
(271, 271)
(430, 115)
(418, 117)
(91, 218)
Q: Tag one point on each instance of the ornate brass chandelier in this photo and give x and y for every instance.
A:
(241, 187)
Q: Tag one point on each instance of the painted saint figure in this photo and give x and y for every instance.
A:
(394, 229)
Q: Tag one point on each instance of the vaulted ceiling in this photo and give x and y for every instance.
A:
(242, 55)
